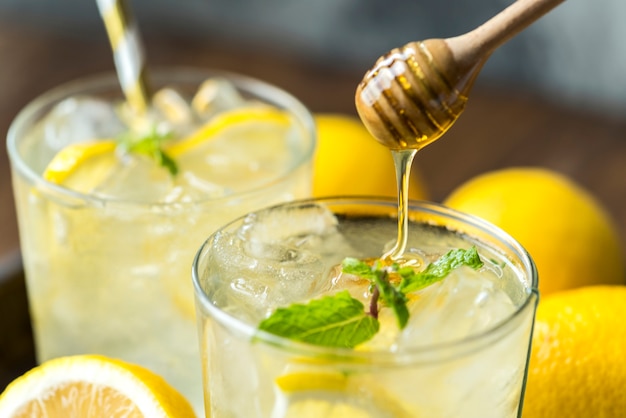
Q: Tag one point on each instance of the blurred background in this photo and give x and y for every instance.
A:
(575, 55)
(554, 96)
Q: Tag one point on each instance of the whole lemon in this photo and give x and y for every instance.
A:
(349, 161)
(564, 228)
(577, 367)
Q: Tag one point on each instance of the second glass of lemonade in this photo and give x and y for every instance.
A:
(108, 235)
(463, 352)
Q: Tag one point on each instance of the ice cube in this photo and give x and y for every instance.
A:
(195, 188)
(294, 225)
(288, 232)
(78, 119)
(172, 106)
(136, 178)
(358, 287)
(464, 303)
(258, 285)
(215, 95)
(278, 257)
(169, 115)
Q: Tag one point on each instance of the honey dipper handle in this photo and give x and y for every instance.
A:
(482, 41)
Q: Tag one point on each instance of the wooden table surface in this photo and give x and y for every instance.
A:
(499, 128)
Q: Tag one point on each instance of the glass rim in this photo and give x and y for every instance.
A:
(266, 91)
(462, 345)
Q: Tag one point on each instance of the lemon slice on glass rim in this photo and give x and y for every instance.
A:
(90, 386)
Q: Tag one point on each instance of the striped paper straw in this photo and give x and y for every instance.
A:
(128, 51)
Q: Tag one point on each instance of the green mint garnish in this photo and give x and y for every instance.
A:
(332, 321)
(341, 320)
(434, 272)
(149, 144)
(382, 288)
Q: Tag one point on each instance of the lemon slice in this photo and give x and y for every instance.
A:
(92, 386)
(82, 166)
(249, 117)
(331, 394)
(306, 381)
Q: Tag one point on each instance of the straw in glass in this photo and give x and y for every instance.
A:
(128, 52)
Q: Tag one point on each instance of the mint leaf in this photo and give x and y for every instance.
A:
(390, 295)
(393, 299)
(165, 161)
(438, 270)
(358, 268)
(150, 145)
(332, 321)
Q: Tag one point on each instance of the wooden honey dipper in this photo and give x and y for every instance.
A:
(415, 93)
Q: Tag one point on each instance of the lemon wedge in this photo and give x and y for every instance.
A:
(92, 386)
(331, 394)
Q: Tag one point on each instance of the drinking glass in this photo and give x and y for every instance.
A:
(464, 352)
(110, 275)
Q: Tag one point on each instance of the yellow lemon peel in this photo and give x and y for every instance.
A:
(96, 154)
(577, 367)
(253, 114)
(92, 385)
(567, 232)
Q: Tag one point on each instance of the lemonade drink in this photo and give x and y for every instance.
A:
(108, 237)
(463, 352)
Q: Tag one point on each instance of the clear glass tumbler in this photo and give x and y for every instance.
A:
(464, 352)
(111, 275)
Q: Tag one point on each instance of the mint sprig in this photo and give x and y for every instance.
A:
(151, 145)
(382, 288)
(438, 270)
(341, 320)
(333, 321)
